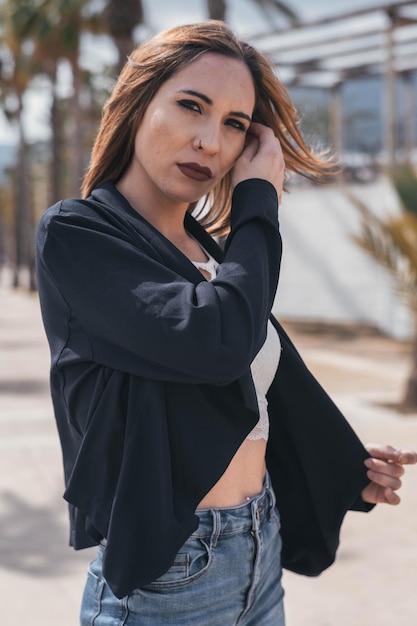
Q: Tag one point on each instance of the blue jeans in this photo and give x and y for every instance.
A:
(227, 573)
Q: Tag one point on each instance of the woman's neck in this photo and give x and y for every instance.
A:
(165, 214)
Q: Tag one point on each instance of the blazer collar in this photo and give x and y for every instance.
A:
(107, 194)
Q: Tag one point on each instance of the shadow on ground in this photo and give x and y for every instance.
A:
(33, 540)
(22, 386)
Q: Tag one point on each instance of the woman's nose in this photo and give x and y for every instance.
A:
(208, 140)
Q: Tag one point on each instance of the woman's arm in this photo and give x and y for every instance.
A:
(141, 316)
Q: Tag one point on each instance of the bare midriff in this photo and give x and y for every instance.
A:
(243, 478)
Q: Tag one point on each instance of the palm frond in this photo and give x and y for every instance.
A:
(392, 243)
(405, 182)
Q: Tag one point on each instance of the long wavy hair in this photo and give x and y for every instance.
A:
(154, 62)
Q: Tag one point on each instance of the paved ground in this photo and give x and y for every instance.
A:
(374, 580)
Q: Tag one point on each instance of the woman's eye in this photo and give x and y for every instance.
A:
(236, 124)
(191, 105)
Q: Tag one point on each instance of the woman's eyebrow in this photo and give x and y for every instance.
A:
(209, 101)
(202, 96)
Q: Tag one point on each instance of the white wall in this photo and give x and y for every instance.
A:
(325, 276)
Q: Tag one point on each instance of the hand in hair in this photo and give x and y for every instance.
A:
(261, 158)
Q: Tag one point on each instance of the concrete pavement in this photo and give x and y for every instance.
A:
(374, 580)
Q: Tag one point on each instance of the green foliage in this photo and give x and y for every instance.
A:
(392, 243)
(405, 183)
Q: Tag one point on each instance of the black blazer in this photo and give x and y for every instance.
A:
(152, 390)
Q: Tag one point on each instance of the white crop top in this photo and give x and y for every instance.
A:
(264, 365)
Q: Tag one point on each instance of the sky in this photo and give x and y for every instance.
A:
(243, 16)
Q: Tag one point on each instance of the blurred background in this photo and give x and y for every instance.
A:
(348, 286)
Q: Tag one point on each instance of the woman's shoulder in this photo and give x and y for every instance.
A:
(104, 207)
(105, 216)
(69, 207)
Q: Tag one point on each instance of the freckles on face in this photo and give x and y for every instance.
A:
(157, 130)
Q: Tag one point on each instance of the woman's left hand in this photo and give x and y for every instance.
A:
(385, 468)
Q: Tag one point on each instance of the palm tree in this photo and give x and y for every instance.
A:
(121, 19)
(16, 71)
(56, 29)
(392, 243)
(217, 9)
(36, 37)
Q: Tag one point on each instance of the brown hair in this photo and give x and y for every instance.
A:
(154, 62)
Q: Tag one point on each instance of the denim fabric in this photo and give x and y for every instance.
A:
(227, 573)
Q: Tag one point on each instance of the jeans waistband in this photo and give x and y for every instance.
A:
(247, 516)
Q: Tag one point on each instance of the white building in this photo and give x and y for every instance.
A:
(325, 276)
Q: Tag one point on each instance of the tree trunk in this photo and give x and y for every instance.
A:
(57, 143)
(76, 157)
(124, 45)
(121, 18)
(23, 215)
(217, 9)
(409, 403)
(17, 227)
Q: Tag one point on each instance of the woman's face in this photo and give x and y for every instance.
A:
(194, 129)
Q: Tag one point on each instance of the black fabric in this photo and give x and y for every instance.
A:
(316, 464)
(152, 390)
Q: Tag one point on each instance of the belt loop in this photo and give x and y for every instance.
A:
(271, 494)
(255, 515)
(216, 528)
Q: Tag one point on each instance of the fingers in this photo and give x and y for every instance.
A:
(383, 467)
(261, 142)
(389, 453)
(251, 147)
(392, 497)
(384, 479)
(260, 131)
(385, 473)
(407, 457)
(261, 157)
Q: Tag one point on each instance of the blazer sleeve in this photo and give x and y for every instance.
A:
(316, 462)
(141, 316)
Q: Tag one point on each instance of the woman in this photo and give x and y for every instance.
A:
(174, 389)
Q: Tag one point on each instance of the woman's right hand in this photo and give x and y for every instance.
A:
(261, 158)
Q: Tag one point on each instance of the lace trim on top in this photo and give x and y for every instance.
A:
(209, 266)
(264, 365)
